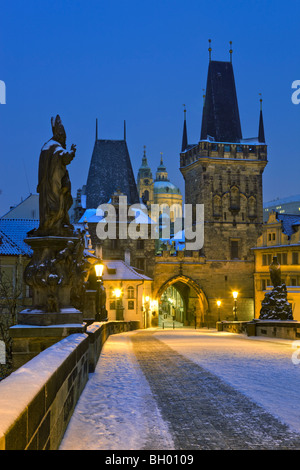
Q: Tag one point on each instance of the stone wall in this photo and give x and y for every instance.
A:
(264, 328)
(38, 399)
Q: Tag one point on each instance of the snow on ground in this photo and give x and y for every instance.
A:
(116, 409)
(260, 368)
(2, 352)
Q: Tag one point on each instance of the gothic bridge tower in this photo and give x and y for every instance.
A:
(224, 170)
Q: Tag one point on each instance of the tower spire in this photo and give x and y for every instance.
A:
(144, 159)
(184, 135)
(261, 129)
(209, 49)
(230, 51)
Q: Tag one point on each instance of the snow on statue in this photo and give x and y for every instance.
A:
(54, 186)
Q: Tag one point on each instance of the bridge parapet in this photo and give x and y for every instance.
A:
(38, 399)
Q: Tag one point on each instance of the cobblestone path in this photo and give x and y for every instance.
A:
(201, 410)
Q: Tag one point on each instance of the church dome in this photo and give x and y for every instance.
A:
(165, 187)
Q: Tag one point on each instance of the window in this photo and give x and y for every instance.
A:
(140, 263)
(130, 304)
(295, 257)
(266, 259)
(130, 292)
(114, 244)
(234, 249)
(273, 236)
(282, 258)
(263, 284)
(140, 244)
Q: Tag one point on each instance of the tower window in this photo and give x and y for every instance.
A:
(234, 249)
(140, 244)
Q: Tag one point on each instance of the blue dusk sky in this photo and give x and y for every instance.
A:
(141, 61)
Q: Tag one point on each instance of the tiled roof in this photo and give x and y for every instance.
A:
(110, 170)
(12, 233)
(119, 270)
(288, 222)
(221, 119)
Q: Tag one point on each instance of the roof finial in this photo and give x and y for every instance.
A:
(230, 51)
(184, 110)
(96, 129)
(209, 49)
(260, 101)
(261, 129)
(144, 150)
(161, 158)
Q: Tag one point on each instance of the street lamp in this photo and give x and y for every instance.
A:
(235, 294)
(100, 301)
(219, 305)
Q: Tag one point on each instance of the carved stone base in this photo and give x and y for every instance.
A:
(56, 275)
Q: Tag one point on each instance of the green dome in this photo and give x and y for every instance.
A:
(165, 187)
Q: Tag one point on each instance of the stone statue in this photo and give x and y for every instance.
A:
(54, 185)
(275, 272)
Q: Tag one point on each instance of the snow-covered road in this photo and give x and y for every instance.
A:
(117, 409)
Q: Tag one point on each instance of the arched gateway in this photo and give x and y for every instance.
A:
(181, 299)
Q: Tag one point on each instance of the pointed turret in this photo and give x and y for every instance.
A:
(261, 130)
(221, 119)
(184, 135)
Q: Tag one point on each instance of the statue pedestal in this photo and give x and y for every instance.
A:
(55, 274)
(52, 273)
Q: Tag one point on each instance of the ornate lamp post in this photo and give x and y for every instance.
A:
(235, 295)
(219, 305)
(100, 302)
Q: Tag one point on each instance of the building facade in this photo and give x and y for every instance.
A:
(280, 238)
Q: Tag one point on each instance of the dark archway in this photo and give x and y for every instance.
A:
(182, 300)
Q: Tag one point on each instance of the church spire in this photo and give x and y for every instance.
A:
(261, 130)
(209, 49)
(184, 135)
